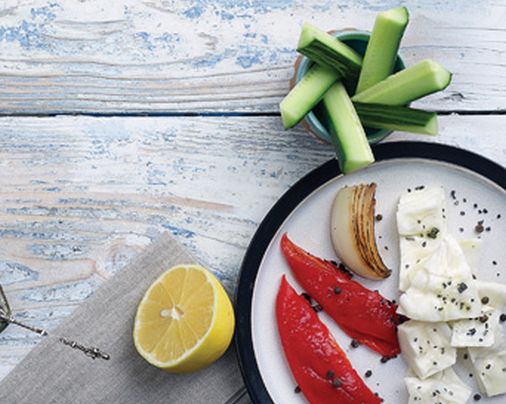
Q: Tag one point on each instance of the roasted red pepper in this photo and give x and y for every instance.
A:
(320, 367)
(364, 315)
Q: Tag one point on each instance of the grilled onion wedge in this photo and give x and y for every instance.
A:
(352, 231)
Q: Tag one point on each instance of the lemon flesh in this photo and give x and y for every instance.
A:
(185, 321)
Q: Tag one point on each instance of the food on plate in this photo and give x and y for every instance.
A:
(383, 46)
(435, 277)
(348, 136)
(438, 276)
(476, 332)
(408, 85)
(444, 387)
(490, 365)
(306, 94)
(426, 347)
(328, 51)
(352, 231)
(367, 80)
(442, 287)
(364, 315)
(320, 367)
(394, 117)
(443, 307)
(185, 321)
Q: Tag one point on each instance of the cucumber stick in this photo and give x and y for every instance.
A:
(326, 50)
(306, 94)
(348, 136)
(383, 46)
(397, 118)
(407, 85)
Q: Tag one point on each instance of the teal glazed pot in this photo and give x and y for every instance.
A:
(358, 41)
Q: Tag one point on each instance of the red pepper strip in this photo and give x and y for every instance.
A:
(363, 314)
(320, 367)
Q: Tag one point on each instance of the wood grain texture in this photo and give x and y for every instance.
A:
(169, 56)
(80, 196)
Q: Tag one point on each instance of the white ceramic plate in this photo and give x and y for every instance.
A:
(304, 214)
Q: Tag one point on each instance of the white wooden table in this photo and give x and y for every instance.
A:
(124, 119)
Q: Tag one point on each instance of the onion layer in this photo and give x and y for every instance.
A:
(352, 231)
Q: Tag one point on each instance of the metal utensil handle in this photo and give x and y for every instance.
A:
(90, 352)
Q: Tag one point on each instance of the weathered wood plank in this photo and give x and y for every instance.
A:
(80, 196)
(169, 56)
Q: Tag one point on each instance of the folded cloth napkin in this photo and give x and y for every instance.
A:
(53, 373)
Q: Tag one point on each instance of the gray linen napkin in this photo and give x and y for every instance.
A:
(53, 373)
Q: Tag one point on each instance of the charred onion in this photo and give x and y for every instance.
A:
(352, 231)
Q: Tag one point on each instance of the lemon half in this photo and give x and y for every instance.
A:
(185, 321)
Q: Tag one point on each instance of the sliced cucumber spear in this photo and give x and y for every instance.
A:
(407, 85)
(306, 94)
(382, 48)
(348, 136)
(326, 50)
(397, 118)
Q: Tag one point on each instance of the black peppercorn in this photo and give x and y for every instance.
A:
(336, 382)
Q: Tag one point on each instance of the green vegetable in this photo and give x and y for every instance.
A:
(407, 85)
(397, 118)
(348, 136)
(326, 50)
(306, 94)
(381, 52)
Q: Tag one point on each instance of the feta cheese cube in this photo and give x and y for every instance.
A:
(490, 366)
(442, 287)
(444, 388)
(421, 211)
(426, 347)
(414, 256)
(476, 332)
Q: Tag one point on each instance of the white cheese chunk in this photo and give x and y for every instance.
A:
(414, 256)
(476, 332)
(434, 270)
(426, 347)
(442, 288)
(442, 388)
(490, 366)
(420, 211)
